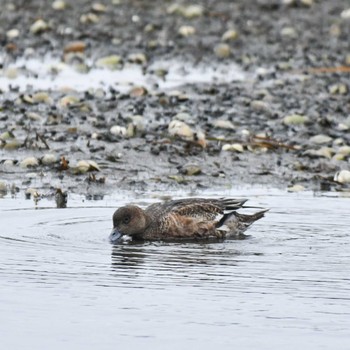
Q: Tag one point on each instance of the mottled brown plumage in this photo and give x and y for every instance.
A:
(193, 218)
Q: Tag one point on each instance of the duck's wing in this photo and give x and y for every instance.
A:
(204, 209)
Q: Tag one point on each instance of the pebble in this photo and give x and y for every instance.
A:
(42, 97)
(83, 166)
(191, 169)
(325, 152)
(13, 144)
(181, 129)
(11, 73)
(98, 7)
(295, 119)
(39, 26)
(89, 18)
(344, 150)
(342, 176)
(289, 32)
(110, 62)
(59, 5)
(138, 91)
(222, 50)
(12, 33)
(29, 162)
(186, 31)
(7, 135)
(338, 89)
(183, 116)
(68, 100)
(234, 147)
(75, 46)
(320, 139)
(223, 124)
(296, 188)
(345, 14)
(229, 35)
(3, 188)
(49, 159)
(118, 130)
(259, 106)
(139, 58)
(192, 11)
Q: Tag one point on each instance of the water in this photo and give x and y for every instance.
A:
(286, 285)
(39, 75)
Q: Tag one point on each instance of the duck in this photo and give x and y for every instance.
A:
(183, 219)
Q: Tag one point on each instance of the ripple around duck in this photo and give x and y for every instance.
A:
(289, 274)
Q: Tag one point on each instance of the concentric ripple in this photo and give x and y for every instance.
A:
(285, 285)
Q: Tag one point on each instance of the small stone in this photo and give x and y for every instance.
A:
(229, 35)
(192, 11)
(75, 46)
(98, 7)
(12, 144)
(296, 188)
(289, 32)
(42, 97)
(183, 116)
(49, 159)
(3, 188)
(59, 5)
(68, 100)
(39, 26)
(223, 124)
(89, 18)
(222, 50)
(344, 150)
(83, 166)
(138, 58)
(190, 169)
(320, 139)
(7, 135)
(186, 31)
(138, 121)
(11, 73)
(340, 89)
(29, 162)
(347, 59)
(345, 14)
(12, 34)
(110, 62)
(307, 3)
(34, 116)
(235, 147)
(342, 176)
(138, 91)
(181, 129)
(259, 106)
(295, 119)
(118, 130)
(325, 152)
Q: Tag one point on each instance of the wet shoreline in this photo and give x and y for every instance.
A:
(253, 96)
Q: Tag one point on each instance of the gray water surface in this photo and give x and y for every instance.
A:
(287, 285)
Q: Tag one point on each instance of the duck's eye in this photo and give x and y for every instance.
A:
(126, 219)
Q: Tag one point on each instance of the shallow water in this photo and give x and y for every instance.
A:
(38, 74)
(286, 285)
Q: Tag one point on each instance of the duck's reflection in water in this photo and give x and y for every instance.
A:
(174, 259)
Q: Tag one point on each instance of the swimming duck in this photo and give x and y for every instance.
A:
(183, 219)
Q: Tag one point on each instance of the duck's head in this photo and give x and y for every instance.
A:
(129, 220)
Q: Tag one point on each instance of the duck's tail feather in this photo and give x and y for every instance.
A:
(235, 223)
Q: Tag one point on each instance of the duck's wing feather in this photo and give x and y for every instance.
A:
(205, 209)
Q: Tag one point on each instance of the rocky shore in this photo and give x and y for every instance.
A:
(116, 94)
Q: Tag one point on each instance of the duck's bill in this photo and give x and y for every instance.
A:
(115, 236)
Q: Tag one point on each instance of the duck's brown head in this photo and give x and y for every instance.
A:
(129, 220)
